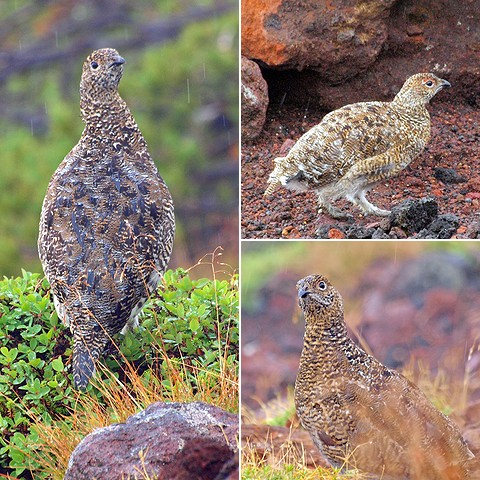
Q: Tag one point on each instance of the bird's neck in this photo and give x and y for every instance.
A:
(110, 119)
(404, 99)
(112, 107)
(325, 330)
(411, 112)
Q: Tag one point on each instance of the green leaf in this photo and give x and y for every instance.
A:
(57, 364)
(194, 324)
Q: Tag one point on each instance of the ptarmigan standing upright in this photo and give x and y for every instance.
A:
(107, 223)
(358, 145)
(362, 414)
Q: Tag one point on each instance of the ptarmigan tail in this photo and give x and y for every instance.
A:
(85, 355)
(279, 173)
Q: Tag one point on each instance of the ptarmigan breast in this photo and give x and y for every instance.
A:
(107, 223)
(361, 414)
(358, 145)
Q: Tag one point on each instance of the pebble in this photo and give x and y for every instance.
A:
(335, 233)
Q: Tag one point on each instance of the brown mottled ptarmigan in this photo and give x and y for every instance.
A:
(107, 223)
(362, 414)
(359, 145)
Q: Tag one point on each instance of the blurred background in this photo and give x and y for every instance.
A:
(180, 82)
(415, 305)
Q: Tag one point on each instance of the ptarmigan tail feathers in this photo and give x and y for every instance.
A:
(278, 176)
(84, 358)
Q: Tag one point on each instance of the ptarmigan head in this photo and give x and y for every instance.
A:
(318, 298)
(101, 74)
(419, 89)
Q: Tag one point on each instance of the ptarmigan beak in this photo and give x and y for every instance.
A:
(303, 292)
(117, 61)
(444, 84)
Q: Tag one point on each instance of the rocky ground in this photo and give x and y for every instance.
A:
(443, 184)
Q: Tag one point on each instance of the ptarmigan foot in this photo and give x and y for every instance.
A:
(368, 208)
(376, 211)
(334, 212)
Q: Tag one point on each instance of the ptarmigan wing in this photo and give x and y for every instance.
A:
(397, 421)
(355, 132)
(107, 230)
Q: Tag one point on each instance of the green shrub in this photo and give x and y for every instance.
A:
(192, 322)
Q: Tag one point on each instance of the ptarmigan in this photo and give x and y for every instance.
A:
(107, 223)
(359, 145)
(362, 414)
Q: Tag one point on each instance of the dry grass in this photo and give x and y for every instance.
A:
(57, 441)
(448, 393)
(118, 401)
(288, 462)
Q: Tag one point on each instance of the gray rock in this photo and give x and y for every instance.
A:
(359, 232)
(166, 441)
(379, 234)
(414, 215)
(448, 175)
(254, 99)
(444, 226)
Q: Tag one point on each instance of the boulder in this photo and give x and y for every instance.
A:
(166, 441)
(336, 41)
(327, 54)
(254, 99)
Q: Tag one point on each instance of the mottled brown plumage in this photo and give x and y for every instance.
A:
(362, 414)
(359, 145)
(107, 223)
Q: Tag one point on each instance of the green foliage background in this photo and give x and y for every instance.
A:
(194, 321)
(171, 88)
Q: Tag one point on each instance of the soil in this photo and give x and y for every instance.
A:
(447, 171)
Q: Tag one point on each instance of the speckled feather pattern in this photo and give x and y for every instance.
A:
(359, 145)
(107, 223)
(362, 414)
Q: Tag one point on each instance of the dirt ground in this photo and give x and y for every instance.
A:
(285, 214)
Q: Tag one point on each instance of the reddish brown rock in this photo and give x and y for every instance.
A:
(254, 99)
(338, 41)
(286, 146)
(335, 233)
(174, 441)
(374, 45)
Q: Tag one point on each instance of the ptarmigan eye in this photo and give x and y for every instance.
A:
(429, 83)
(322, 286)
(94, 65)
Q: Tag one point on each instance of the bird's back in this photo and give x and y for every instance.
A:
(106, 233)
